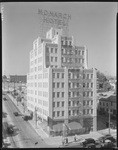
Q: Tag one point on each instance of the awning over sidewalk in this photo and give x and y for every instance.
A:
(58, 127)
(74, 125)
(71, 126)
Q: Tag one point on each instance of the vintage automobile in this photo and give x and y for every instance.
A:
(88, 141)
(10, 130)
(16, 113)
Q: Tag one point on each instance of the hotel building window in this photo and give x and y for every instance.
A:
(82, 60)
(91, 76)
(62, 75)
(58, 113)
(83, 84)
(51, 50)
(51, 59)
(57, 85)
(57, 75)
(69, 112)
(62, 113)
(53, 113)
(66, 42)
(73, 112)
(61, 42)
(56, 59)
(53, 75)
(91, 85)
(77, 84)
(84, 94)
(58, 94)
(58, 104)
(79, 60)
(87, 102)
(70, 43)
(79, 53)
(82, 52)
(84, 112)
(87, 76)
(62, 59)
(62, 94)
(62, 84)
(91, 111)
(53, 94)
(87, 85)
(87, 94)
(53, 85)
(87, 111)
(91, 93)
(62, 51)
(55, 50)
(77, 93)
(69, 94)
(69, 103)
(83, 76)
(53, 104)
(62, 104)
(91, 102)
(84, 102)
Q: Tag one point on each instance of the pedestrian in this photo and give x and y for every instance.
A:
(63, 141)
(75, 138)
(66, 140)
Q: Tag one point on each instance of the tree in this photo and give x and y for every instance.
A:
(103, 82)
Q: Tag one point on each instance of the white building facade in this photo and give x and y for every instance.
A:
(60, 87)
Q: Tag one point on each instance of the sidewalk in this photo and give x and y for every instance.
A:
(57, 141)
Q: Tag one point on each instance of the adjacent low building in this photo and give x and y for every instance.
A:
(108, 104)
(18, 78)
(60, 87)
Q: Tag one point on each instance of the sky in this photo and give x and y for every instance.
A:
(92, 24)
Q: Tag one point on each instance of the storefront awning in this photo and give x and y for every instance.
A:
(74, 125)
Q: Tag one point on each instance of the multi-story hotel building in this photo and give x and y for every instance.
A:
(60, 87)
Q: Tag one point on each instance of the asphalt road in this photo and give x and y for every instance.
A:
(24, 135)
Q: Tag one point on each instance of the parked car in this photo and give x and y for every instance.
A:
(107, 137)
(16, 113)
(26, 118)
(108, 144)
(10, 130)
(88, 141)
(5, 98)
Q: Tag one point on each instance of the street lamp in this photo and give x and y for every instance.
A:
(109, 120)
(35, 116)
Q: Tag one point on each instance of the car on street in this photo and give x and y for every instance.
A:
(10, 130)
(26, 118)
(108, 144)
(88, 141)
(107, 137)
(5, 98)
(15, 113)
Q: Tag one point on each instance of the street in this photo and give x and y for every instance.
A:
(24, 135)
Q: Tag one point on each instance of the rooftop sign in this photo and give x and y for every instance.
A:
(55, 18)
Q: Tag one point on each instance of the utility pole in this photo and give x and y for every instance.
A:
(109, 120)
(35, 117)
